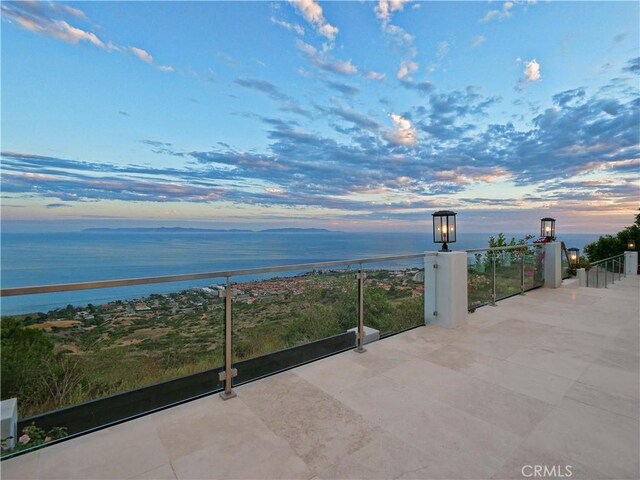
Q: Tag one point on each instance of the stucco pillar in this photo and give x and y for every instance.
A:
(552, 264)
(445, 289)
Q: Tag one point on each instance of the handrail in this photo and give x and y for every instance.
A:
(511, 247)
(65, 287)
(605, 259)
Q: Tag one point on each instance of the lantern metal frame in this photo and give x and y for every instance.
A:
(631, 245)
(548, 228)
(444, 228)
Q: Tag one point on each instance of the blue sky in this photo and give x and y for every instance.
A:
(346, 115)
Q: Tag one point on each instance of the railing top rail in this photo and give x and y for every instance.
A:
(512, 247)
(606, 259)
(65, 287)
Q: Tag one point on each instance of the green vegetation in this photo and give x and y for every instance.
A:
(609, 245)
(75, 354)
(32, 436)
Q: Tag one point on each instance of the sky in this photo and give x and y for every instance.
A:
(355, 116)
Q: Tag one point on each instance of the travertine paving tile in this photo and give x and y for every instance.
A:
(544, 386)
(452, 442)
(261, 456)
(594, 437)
(164, 472)
(318, 427)
(194, 425)
(496, 405)
(385, 457)
(461, 359)
(552, 361)
(615, 403)
(614, 380)
(336, 373)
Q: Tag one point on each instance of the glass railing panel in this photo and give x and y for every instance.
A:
(534, 267)
(70, 348)
(282, 320)
(394, 295)
(565, 267)
(479, 279)
(508, 273)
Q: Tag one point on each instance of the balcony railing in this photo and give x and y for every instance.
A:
(606, 271)
(501, 272)
(124, 358)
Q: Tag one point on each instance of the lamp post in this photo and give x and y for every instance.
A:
(574, 256)
(548, 229)
(444, 228)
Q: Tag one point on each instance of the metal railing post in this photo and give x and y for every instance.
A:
(229, 372)
(361, 276)
(522, 274)
(605, 273)
(493, 292)
(597, 276)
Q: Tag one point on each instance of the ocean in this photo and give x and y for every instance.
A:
(29, 259)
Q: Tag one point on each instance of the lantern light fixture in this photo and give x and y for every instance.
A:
(631, 245)
(444, 228)
(548, 228)
(574, 256)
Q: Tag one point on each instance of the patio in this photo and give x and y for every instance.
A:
(550, 378)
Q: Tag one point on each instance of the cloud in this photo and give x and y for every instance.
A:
(371, 75)
(358, 119)
(166, 68)
(633, 66)
(385, 7)
(312, 12)
(402, 133)
(407, 68)
(50, 19)
(532, 71)
(421, 87)
(501, 14)
(620, 37)
(433, 153)
(343, 88)
(285, 102)
(478, 40)
(58, 205)
(289, 26)
(141, 54)
(443, 49)
(324, 61)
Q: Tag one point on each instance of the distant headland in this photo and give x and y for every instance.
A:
(203, 230)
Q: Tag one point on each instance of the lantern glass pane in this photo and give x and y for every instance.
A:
(452, 228)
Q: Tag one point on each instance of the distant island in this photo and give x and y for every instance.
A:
(203, 230)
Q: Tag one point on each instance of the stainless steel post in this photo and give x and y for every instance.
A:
(361, 277)
(605, 273)
(493, 266)
(229, 372)
(522, 274)
(597, 276)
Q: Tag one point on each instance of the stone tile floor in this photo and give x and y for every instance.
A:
(550, 378)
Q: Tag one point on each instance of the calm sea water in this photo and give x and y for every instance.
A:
(38, 259)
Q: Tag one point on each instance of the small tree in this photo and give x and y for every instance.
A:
(608, 245)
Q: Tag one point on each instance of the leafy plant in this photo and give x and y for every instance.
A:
(32, 436)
